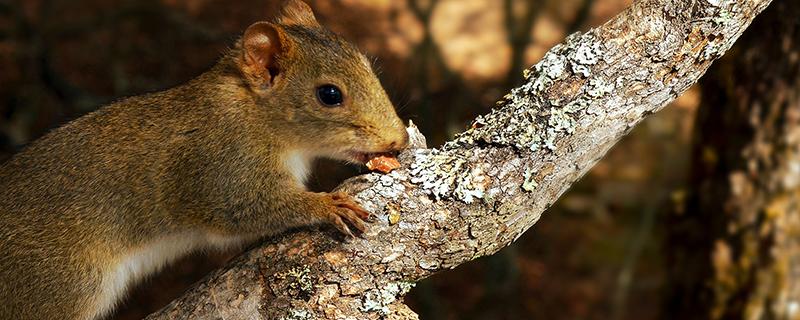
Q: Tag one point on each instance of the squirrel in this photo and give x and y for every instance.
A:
(112, 196)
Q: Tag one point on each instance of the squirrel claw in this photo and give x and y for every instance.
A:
(346, 211)
(341, 226)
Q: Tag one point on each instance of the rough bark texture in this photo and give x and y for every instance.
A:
(479, 192)
(735, 248)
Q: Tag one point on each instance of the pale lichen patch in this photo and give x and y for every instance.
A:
(526, 120)
(587, 54)
(299, 279)
(529, 184)
(378, 300)
(598, 87)
(298, 314)
(391, 188)
(529, 121)
(446, 174)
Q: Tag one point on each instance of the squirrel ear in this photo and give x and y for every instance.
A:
(298, 13)
(261, 44)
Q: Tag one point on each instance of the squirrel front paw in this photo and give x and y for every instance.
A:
(343, 211)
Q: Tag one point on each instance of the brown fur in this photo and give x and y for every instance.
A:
(206, 157)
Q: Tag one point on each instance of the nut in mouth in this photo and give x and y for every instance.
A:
(361, 157)
(364, 157)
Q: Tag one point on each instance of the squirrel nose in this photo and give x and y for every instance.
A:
(400, 143)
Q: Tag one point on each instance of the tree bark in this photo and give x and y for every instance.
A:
(482, 190)
(734, 244)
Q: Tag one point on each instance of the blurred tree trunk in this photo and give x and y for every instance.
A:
(734, 243)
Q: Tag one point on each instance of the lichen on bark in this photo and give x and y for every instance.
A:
(478, 193)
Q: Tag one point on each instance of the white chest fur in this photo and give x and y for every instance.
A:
(150, 258)
(299, 164)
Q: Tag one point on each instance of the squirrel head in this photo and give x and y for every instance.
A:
(321, 86)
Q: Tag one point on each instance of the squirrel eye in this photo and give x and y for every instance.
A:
(329, 95)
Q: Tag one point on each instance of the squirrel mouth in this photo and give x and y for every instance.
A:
(364, 157)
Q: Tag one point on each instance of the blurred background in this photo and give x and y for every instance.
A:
(597, 254)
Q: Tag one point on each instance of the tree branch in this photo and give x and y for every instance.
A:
(479, 192)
